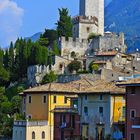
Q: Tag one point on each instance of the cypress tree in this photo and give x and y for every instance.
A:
(64, 24)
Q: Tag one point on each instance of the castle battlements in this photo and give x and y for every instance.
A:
(85, 19)
(71, 40)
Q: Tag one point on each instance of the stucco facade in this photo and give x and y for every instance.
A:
(104, 111)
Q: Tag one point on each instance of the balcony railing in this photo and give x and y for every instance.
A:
(65, 109)
(66, 125)
(136, 122)
(30, 123)
(85, 119)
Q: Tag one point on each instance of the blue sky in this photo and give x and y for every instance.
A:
(27, 17)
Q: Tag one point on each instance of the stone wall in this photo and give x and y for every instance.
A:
(79, 46)
(93, 8)
(36, 73)
(109, 41)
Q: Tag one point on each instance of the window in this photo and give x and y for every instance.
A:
(30, 99)
(86, 110)
(60, 66)
(44, 99)
(33, 135)
(88, 29)
(43, 135)
(65, 100)
(133, 90)
(101, 110)
(132, 114)
(85, 97)
(72, 121)
(29, 116)
(101, 97)
(132, 136)
(54, 99)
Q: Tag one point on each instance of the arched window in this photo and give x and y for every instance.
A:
(43, 135)
(33, 135)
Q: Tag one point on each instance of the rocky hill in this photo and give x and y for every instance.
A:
(124, 16)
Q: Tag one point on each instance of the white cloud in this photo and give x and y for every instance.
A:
(10, 21)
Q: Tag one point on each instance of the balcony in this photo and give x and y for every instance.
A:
(67, 126)
(136, 123)
(30, 123)
(66, 109)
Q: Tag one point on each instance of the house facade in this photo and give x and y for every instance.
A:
(66, 123)
(37, 106)
(132, 108)
(102, 111)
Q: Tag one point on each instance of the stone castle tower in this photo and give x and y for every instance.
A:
(90, 19)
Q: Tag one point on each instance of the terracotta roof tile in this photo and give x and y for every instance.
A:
(79, 87)
(130, 82)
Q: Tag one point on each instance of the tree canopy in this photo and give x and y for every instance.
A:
(64, 24)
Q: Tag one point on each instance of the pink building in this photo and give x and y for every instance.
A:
(132, 129)
(66, 123)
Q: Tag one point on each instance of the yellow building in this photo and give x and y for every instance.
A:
(37, 104)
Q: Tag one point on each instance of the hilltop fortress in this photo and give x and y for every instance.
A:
(89, 21)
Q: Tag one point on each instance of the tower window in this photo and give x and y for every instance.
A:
(88, 29)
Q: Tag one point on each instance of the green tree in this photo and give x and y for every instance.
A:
(51, 35)
(95, 67)
(16, 104)
(64, 24)
(43, 41)
(49, 77)
(73, 54)
(55, 48)
(74, 66)
(6, 59)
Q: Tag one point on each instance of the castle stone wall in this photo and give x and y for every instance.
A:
(107, 42)
(93, 8)
(79, 46)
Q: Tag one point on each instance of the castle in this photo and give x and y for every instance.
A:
(89, 21)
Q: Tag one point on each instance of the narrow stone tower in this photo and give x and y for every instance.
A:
(90, 19)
